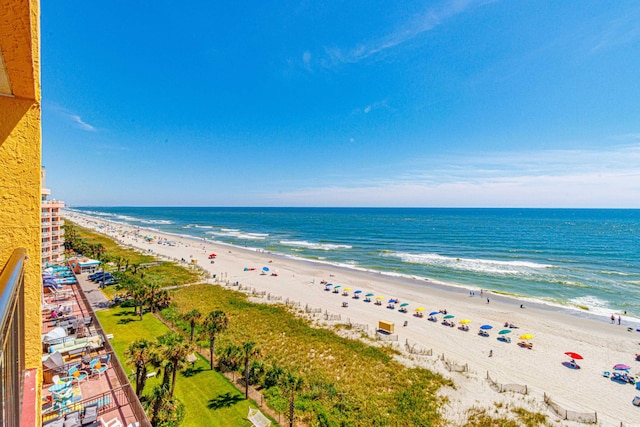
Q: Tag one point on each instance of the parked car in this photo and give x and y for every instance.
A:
(96, 276)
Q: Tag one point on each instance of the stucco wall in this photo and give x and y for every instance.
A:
(20, 161)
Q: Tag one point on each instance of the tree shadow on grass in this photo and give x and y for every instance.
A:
(125, 313)
(224, 400)
(191, 371)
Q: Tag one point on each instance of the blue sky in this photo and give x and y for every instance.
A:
(455, 103)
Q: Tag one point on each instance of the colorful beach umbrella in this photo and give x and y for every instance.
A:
(621, 367)
(433, 313)
(369, 295)
(487, 327)
(328, 284)
(380, 297)
(358, 291)
(336, 286)
(393, 301)
(404, 304)
(526, 337)
(347, 289)
(573, 355)
(505, 331)
(265, 269)
(465, 321)
(420, 309)
(449, 316)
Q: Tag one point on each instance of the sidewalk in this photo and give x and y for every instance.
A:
(92, 291)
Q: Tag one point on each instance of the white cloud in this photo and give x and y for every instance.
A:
(75, 118)
(409, 30)
(81, 124)
(553, 178)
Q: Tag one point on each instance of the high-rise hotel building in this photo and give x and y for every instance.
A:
(52, 232)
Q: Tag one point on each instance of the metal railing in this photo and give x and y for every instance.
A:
(127, 389)
(12, 338)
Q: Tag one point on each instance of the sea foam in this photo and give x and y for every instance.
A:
(485, 266)
(310, 245)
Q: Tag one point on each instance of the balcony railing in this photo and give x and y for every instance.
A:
(12, 338)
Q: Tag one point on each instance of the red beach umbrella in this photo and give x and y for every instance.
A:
(573, 355)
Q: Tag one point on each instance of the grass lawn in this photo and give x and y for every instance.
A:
(209, 398)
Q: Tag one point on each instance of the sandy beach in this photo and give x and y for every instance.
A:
(544, 369)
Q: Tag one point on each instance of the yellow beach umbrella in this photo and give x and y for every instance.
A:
(526, 337)
(419, 309)
(347, 289)
(379, 297)
(465, 321)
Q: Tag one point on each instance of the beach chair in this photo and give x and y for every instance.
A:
(97, 367)
(77, 375)
(72, 419)
(636, 401)
(90, 414)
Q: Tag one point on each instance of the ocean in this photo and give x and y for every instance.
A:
(582, 259)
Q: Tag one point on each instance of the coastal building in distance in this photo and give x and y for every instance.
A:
(52, 222)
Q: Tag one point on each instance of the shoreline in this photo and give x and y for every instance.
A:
(555, 330)
(515, 299)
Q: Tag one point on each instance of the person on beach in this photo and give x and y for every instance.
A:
(613, 319)
(487, 300)
(490, 353)
(619, 319)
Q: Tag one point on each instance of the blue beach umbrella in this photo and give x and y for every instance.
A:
(433, 313)
(358, 291)
(265, 269)
(486, 327)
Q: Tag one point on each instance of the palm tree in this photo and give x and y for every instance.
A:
(247, 351)
(157, 401)
(192, 317)
(174, 349)
(135, 268)
(153, 292)
(139, 353)
(291, 384)
(216, 322)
